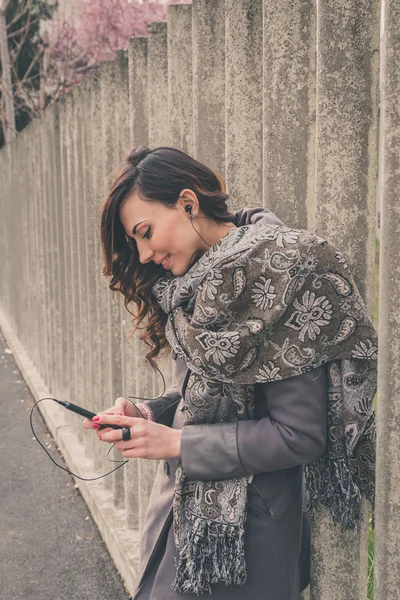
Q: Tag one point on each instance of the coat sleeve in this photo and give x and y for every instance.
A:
(247, 216)
(162, 410)
(295, 433)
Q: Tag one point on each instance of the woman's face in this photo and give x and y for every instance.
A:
(160, 231)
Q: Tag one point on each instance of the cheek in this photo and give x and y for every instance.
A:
(172, 238)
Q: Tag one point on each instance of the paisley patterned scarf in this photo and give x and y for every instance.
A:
(268, 302)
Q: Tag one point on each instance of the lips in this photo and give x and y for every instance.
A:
(166, 264)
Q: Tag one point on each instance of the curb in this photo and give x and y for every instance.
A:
(121, 542)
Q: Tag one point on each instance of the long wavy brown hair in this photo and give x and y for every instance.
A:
(157, 175)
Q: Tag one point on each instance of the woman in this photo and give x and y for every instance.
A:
(148, 228)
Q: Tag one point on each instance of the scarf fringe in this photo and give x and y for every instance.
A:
(212, 553)
(329, 481)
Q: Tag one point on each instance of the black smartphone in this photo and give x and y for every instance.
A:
(84, 413)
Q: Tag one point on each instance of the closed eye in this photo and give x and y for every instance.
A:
(147, 232)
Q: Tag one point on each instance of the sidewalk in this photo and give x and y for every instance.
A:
(50, 549)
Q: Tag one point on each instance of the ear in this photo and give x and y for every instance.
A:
(187, 196)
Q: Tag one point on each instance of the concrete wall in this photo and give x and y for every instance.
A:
(282, 100)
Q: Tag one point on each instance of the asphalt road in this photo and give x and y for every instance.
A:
(50, 548)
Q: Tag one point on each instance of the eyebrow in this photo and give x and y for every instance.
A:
(136, 226)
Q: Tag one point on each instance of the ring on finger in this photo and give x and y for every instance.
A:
(126, 433)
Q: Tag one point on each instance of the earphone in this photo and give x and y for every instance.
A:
(188, 209)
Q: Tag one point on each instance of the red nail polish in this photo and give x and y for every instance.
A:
(95, 426)
(96, 419)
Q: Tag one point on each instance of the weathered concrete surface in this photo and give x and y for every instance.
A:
(346, 159)
(345, 209)
(235, 85)
(157, 77)
(209, 82)
(289, 108)
(138, 104)
(387, 529)
(180, 77)
(244, 103)
(49, 545)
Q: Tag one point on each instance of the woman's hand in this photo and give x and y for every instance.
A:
(148, 439)
(122, 407)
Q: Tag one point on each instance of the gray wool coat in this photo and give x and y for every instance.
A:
(289, 430)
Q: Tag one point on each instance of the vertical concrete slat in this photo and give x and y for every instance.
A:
(73, 247)
(112, 314)
(346, 174)
(49, 121)
(39, 283)
(58, 258)
(387, 509)
(99, 343)
(62, 225)
(138, 86)
(84, 368)
(157, 72)
(49, 220)
(31, 246)
(139, 132)
(208, 30)
(43, 220)
(289, 84)
(347, 132)
(34, 350)
(122, 129)
(86, 235)
(180, 77)
(69, 284)
(244, 103)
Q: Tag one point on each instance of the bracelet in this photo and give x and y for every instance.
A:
(146, 410)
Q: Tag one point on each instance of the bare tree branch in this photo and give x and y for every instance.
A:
(16, 18)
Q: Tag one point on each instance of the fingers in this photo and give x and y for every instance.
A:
(120, 405)
(115, 419)
(89, 424)
(115, 435)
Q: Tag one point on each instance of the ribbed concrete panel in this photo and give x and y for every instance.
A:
(289, 84)
(82, 203)
(180, 77)
(58, 253)
(139, 128)
(300, 137)
(69, 246)
(44, 247)
(35, 350)
(40, 256)
(52, 249)
(346, 174)
(244, 103)
(8, 267)
(122, 140)
(208, 28)
(347, 142)
(96, 288)
(387, 529)
(32, 249)
(157, 73)
(65, 288)
(23, 308)
(74, 158)
(111, 314)
(138, 80)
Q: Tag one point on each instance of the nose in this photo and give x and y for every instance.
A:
(145, 256)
